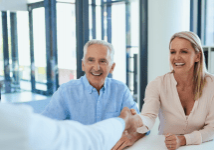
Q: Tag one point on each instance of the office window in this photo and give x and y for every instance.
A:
(209, 23)
(95, 19)
(208, 33)
(1, 51)
(39, 37)
(66, 38)
(24, 50)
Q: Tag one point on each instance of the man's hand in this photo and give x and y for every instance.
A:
(127, 139)
(173, 141)
(130, 136)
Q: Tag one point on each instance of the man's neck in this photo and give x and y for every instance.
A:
(98, 87)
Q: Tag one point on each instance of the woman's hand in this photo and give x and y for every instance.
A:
(174, 141)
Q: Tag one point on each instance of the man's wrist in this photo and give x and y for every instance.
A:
(122, 121)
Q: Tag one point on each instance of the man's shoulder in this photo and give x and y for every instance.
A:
(116, 83)
(74, 83)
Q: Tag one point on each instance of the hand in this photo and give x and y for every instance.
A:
(132, 121)
(133, 111)
(173, 141)
(127, 139)
(130, 136)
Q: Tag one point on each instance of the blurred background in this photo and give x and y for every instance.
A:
(41, 42)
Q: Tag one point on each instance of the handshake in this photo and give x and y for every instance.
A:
(132, 120)
(130, 135)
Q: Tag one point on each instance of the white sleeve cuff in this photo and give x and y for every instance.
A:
(193, 138)
(142, 129)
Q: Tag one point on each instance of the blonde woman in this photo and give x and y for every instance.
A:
(183, 99)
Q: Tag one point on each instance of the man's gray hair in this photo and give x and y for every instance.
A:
(101, 42)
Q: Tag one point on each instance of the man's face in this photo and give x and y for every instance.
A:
(97, 65)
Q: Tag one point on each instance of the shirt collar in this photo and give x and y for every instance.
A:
(173, 79)
(89, 87)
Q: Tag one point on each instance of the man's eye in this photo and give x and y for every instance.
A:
(103, 61)
(184, 51)
(90, 60)
(172, 52)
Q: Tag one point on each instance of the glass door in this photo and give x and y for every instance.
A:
(38, 48)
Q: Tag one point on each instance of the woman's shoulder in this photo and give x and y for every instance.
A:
(209, 77)
(166, 77)
(209, 80)
(162, 80)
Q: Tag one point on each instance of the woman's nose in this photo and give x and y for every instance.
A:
(177, 56)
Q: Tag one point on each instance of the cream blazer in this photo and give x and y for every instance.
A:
(161, 98)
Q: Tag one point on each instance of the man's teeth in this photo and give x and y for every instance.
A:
(96, 74)
(179, 64)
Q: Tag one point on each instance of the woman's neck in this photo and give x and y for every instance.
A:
(184, 79)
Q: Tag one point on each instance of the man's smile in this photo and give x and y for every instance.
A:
(96, 74)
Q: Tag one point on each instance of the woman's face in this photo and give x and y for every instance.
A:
(183, 56)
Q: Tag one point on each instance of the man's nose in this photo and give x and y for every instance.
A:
(96, 67)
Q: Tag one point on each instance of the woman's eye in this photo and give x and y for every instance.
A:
(184, 51)
(172, 52)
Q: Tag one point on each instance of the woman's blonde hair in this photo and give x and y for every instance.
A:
(200, 67)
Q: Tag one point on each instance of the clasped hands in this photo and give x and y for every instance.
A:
(130, 136)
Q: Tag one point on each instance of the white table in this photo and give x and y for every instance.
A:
(156, 142)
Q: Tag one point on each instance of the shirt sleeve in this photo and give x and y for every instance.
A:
(128, 101)
(67, 134)
(30, 131)
(205, 134)
(56, 109)
(151, 106)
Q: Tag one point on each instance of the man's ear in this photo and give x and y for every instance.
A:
(198, 57)
(83, 66)
(112, 68)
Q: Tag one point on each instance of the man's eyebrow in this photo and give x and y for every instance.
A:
(90, 58)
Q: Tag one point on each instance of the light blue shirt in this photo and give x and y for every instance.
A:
(21, 129)
(78, 100)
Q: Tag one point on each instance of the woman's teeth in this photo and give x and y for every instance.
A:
(179, 64)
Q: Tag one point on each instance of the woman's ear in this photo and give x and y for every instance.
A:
(198, 57)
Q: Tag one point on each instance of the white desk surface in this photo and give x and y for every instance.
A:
(156, 142)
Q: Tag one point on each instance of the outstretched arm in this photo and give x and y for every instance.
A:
(27, 130)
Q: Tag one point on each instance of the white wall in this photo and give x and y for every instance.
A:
(20, 5)
(13, 5)
(165, 17)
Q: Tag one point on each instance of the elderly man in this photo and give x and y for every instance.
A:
(93, 97)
